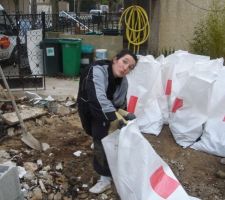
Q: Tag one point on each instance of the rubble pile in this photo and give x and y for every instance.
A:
(51, 181)
(64, 170)
(47, 175)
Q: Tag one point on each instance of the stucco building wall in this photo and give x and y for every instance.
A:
(113, 44)
(177, 21)
(10, 6)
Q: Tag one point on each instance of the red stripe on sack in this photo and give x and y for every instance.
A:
(168, 87)
(132, 104)
(178, 103)
(163, 184)
(224, 119)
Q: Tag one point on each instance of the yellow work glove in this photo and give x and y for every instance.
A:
(126, 115)
(119, 123)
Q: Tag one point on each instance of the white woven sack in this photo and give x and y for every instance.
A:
(137, 170)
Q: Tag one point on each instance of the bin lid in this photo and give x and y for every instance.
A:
(87, 48)
(69, 40)
(93, 33)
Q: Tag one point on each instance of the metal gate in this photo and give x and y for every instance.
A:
(21, 59)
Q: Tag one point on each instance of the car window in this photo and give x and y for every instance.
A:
(95, 12)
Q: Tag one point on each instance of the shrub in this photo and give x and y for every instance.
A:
(209, 34)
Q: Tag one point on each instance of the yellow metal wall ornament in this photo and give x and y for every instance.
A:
(137, 26)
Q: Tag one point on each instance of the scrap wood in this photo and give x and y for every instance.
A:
(27, 113)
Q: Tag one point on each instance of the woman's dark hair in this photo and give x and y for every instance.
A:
(125, 52)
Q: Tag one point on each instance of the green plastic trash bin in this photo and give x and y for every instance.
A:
(52, 56)
(71, 56)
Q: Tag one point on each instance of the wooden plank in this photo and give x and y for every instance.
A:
(26, 113)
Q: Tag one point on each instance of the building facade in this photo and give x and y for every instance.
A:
(173, 22)
(24, 6)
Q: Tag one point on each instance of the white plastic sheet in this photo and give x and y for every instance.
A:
(151, 119)
(175, 70)
(137, 170)
(213, 137)
(180, 89)
(145, 83)
(145, 75)
(190, 111)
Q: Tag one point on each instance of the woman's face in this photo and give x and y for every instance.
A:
(122, 66)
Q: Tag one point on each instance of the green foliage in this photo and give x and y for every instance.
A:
(104, 2)
(209, 34)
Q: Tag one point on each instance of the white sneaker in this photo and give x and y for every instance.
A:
(101, 186)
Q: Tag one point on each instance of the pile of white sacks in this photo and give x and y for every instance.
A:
(185, 91)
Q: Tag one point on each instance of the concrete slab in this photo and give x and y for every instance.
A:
(9, 183)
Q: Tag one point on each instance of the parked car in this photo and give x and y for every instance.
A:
(95, 12)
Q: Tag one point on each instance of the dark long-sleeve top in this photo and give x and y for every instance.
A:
(102, 92)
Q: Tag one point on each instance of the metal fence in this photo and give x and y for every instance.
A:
(21, 60)
(25, 57)
(106, 23)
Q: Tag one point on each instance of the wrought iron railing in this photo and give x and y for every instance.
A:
(84, 23)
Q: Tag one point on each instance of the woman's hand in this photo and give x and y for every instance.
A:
(127, 115)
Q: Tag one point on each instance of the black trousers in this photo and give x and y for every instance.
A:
(97, 129)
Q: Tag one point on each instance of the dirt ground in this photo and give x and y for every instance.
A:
(195, 170)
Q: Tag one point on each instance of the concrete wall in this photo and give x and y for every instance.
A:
(154, 20)
(113, 44)
(63, 6)
(10, 6)
(177, 21)
(44, 8)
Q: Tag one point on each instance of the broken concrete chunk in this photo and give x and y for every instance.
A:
(45, 146)
(52, 106)
(37, 194)
(222, 161)
(4, 154)
(63, 110)
(47, 168)
(30, 166)
(69, 103)
(56, 108)
(39, 122)
(220, 174)
(42, 186)
(27, 113)
(39, 163)
(10, 132)
(59, 166)
(29, 176)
